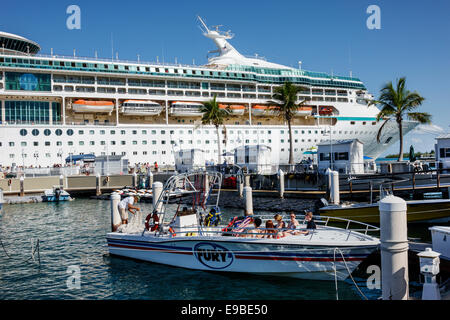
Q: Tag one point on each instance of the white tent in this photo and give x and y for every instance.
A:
(256, 158)
(189, 159)
(347, 156)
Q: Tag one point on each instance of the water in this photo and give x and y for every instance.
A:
(73, 234)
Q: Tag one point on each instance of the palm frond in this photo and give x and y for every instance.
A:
(421, 117)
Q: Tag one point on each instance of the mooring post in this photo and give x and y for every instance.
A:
(281, 183)
(135, 182)
(240, 186)
(149, 178)
(157, 188)
(248, 199)
(334, 193)
(61, 182)
(429, 267)
(394, 248)
(247, 180)
(22, 189)
(328, 178)
(116, 219)
(98, 186)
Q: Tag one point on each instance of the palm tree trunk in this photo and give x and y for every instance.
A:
(400, 131)
(218, 146)
(291, 150)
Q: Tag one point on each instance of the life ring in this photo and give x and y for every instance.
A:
(172, 232)
(155, 225)
(9, 182)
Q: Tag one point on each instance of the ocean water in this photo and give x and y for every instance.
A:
(72, 237)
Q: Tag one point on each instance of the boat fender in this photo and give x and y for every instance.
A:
(107, 179)
(172, 232)
(155, 225)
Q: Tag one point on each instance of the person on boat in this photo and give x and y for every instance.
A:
(271, 231)
(156, 166)
(127, 204)
(292, 224)
(310, 224)
(254, 232)
(281, 225)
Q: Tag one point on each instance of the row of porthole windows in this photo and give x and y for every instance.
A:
(47, 132)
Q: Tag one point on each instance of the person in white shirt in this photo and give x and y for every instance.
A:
(127, 205)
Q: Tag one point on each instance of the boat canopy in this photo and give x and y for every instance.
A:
(84, 157)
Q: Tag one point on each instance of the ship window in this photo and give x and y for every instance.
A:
(352, 122)
(80, 132)
(69, 132)
(58, 132)
(23, 132)
(47, 143)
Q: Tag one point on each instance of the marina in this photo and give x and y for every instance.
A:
(239, 178)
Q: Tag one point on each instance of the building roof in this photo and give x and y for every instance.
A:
(444, 136)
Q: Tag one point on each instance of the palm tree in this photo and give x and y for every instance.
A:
(214, 115)
(285, 97)
(396, 104)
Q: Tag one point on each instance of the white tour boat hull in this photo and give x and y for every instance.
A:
(231, 254)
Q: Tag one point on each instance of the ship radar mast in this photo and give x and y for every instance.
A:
(227, 54)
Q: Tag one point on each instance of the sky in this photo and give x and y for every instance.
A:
(326, 35)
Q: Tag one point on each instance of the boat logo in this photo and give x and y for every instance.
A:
(212, 255)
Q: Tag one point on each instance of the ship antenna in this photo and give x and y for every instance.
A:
(203, 23)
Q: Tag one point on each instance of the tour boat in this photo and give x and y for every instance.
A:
(188, 238)
(140, 108)
(92, 106)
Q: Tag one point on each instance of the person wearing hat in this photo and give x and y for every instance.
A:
(127, 205)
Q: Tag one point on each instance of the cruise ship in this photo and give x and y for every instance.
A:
(52, 107)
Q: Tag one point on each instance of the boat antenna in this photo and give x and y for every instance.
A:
(203, 24)
(112, 47)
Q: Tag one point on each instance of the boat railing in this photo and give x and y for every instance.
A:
(325, 221)
(263, 233)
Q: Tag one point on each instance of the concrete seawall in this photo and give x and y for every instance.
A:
(73, 184)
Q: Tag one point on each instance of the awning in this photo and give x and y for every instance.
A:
(85, 157)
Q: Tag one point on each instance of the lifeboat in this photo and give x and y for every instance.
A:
(96, 106)
(140, 108)
(325, 110)
(186, 109)
(262, 110)
(303, 111)
(235, 109)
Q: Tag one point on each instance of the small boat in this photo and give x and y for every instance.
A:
(431, 210)
(264, 110)
(325, 110)
(140, 108)
(303, 111)
(185, 238)
(235, 109)
(94, 106)
(55, 195)
(186, 109)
